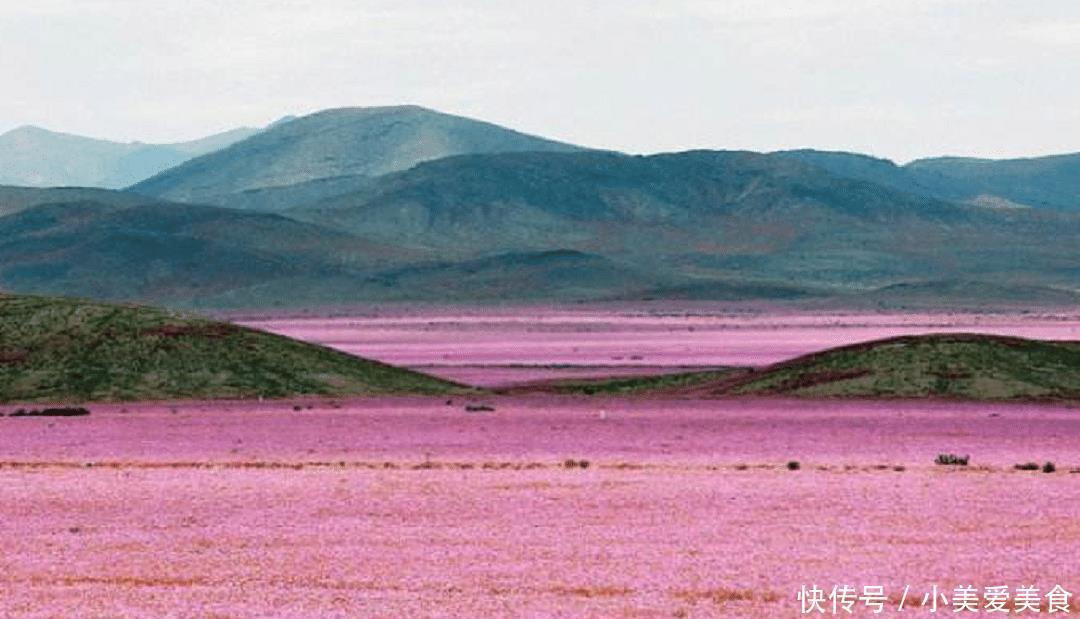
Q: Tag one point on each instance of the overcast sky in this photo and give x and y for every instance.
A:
(897, 78)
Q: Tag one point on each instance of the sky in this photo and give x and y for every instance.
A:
(900, 79)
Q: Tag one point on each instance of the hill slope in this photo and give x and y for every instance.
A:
(334, 143)
(963, 366)
(1041, 182)
(15, 199)
(35, 157)
(67, 350)
(169, 253)
(1050, 182)
(706, 216)
(546, 226)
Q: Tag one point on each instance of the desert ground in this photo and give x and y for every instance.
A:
(546, 506)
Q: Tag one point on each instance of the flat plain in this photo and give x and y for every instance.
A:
(547, 505)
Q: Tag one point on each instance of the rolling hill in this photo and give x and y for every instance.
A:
(962, 366)
(36, 157)
(558, 226)
(364, 142)
(15, 199)
(705, 218)
(170, 253)
(68, 350)
(287, 197)
(959, 366)
(1039, 182)
(1046, 182)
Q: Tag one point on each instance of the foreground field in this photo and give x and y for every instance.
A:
(414, 507)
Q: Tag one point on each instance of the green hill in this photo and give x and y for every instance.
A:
(68, 350)
(961, 366)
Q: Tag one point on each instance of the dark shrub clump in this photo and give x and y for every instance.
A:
(60, 411)
(952, 460)
(1049, 467)
(793, 465)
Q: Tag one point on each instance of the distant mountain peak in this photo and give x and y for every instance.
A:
(25, 130)
(37, 157)
(282, 120)
(337, 142)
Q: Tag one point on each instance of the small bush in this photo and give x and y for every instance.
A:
(63, 411)
(479, 408)
(1026, 466)
(793, 465)
(1049, 467)
(570, 463)
(952, 460)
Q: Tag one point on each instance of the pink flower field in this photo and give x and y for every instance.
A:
(410, 507)
(547, 506)
(501, 347)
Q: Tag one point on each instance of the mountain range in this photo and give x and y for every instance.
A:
(408, 204)
(35, 157)
(1040, 182)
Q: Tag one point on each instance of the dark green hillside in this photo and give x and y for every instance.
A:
(15, 199)
(279, 199)
(168, 253)
(961, 293)
(457, 193)
(67, 350)
(962, 366)
(558, 226)
(706, 219)
(560, 274)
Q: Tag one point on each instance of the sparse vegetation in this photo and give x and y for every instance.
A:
(570, 463)
(71, 350)
(1048, 467)
(961, 366)
(631, 385)
(793, 465)
(62, 411)
(945, 459)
